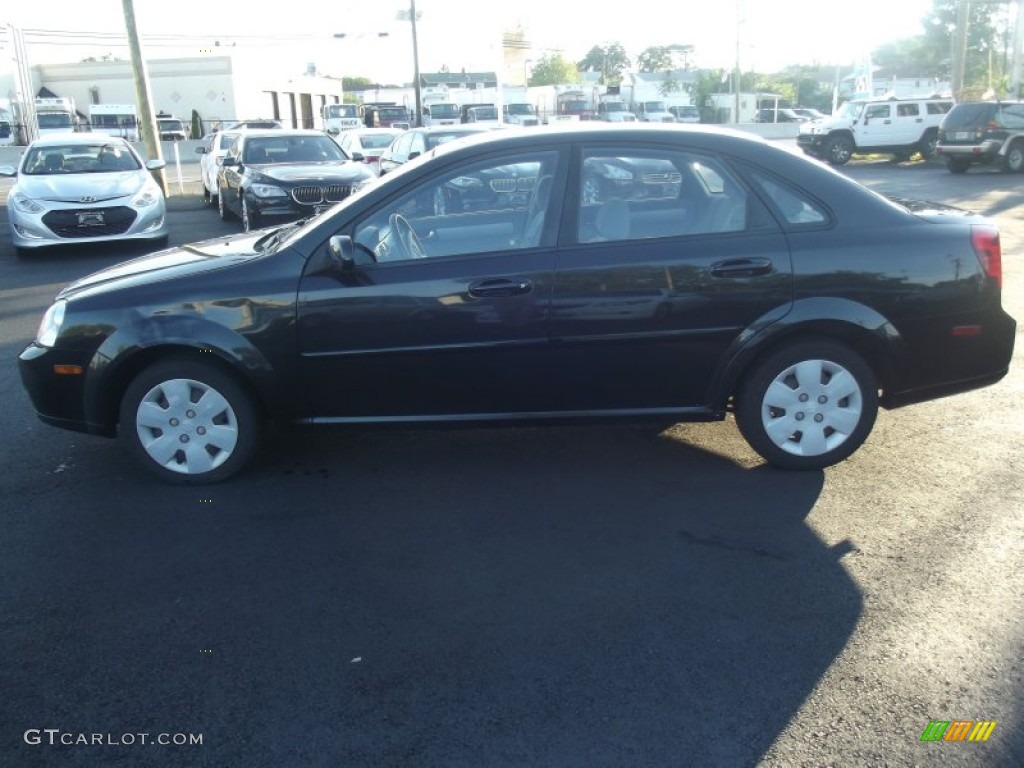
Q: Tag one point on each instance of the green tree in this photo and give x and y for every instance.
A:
(669, 84)
(657, 58)
(357, 84)
(610, 60)
(553, 69)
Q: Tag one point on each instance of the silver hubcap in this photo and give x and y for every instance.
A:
(186, 426)
(812, 408)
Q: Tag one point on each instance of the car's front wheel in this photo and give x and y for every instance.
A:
(189, 422)
(839, 150)
(808, 405)
(928, 144)
(250, 218)
(222, 209)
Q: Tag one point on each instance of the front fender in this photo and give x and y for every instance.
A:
(138, 343)
(862, 328)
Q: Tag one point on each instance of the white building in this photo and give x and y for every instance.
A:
(219, 88)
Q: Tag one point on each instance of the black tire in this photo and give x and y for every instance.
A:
(250, 218)
(839, 150)
(958, 164)
(1013, 161)
(929, 142)
(792, 387)
(222, 210)
(197, 424)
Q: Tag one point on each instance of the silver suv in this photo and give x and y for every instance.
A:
(898, 127)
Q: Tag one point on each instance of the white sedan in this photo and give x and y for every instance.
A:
(83, 188)
(213, 149)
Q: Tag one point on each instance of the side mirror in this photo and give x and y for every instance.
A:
(155, 165)
(333, 130)
(415, 153)
(229, 161)
(8, 170)
(200, 150)
(358, 157)
(343, 252)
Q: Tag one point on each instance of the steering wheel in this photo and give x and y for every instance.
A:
(406, 236)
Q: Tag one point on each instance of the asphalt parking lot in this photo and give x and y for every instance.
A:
(584, 596)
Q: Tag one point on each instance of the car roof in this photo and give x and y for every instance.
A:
(63, 139)
(276, 133)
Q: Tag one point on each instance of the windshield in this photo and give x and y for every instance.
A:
(851, 109)
(393, 113)
(171, 125)
(113, 121)
(521, 109)
(79, 158)
(615, 106)
(291, 149)
(54, 120)
(655, 106)
(485, 113)
(342, 110)
(444, 111)
(377, 140)
(574, 106)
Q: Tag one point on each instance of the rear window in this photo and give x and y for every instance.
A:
(969, 116)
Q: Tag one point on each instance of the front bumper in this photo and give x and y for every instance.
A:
(811, 142)
(71, 224)
(58, 399)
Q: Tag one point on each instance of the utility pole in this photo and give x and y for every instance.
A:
(963, 15)
(1015, 60)
(147, 120)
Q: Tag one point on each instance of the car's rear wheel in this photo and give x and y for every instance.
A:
(1014, 160)
(958, 164)
(928, 144)
(189, 422)
(839, 150)
(808, 405)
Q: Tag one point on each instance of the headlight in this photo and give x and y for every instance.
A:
(50, 325)
(267, 190)
(149, 195)
(25, 204)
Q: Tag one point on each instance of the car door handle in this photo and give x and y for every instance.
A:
(499, 286)
(741, 267)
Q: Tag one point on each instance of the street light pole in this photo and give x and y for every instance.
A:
(416, 64)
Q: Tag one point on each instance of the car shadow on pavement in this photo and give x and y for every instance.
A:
(577, 596)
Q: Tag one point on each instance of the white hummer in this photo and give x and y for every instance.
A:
(898, 127)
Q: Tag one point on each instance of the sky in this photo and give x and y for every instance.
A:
(466, 34)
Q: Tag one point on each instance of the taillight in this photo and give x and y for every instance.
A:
(985, 241)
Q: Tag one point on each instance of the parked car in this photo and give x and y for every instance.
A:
(213, 149)
(171, 129)
(983, 132)
(688, 113)
(769, 287)
(898, 127)
(261, 124)
(809, 113)
(367, 144)
(83, 188)
(780, 115)
(285, 174)
(419, 141)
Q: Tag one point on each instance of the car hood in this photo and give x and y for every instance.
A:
(71, 188)
(191, 259)
(311, 172)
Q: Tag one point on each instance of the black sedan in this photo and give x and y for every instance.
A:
(765, 285)
(278, 175)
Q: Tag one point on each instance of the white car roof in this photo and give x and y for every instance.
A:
(63, 139)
